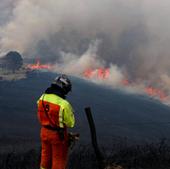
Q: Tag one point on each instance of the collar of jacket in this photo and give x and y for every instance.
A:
(54, 89)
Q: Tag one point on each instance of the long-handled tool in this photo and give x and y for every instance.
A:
(99, 155)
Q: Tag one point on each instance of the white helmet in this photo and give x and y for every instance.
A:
(63, 82)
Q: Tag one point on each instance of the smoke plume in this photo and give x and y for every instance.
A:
(129, 37)
(76, 65)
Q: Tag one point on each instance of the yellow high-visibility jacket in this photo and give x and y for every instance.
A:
(59, 111)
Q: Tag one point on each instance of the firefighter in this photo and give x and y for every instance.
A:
(55, 115)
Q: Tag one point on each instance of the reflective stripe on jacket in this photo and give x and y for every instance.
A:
(60, 111)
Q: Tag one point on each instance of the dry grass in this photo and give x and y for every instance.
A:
(121, 156)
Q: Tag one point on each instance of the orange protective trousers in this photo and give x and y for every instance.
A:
(54, 151)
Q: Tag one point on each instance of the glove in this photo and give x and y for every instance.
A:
(72, 138)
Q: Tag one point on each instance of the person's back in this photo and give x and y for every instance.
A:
(55, 114)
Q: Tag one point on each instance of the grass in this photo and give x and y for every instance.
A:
(143, 156)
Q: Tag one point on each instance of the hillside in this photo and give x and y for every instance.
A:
(130, 127)
(116, 114)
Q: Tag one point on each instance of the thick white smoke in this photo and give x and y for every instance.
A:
(135, 36)
(35, 20)
(75, 65)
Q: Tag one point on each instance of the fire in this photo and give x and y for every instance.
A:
(88, 73)
(39, 66)
(104, 73)
(151, 91)
(100, 73)
(125, 82)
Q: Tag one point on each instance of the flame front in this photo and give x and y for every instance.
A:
(39, 66)
(104, 74)
(151, 91)
(100, 73)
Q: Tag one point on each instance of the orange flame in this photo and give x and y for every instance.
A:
(100, 73)
(104, 73)
(151, 91)
(39, 66)
(125, 82)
